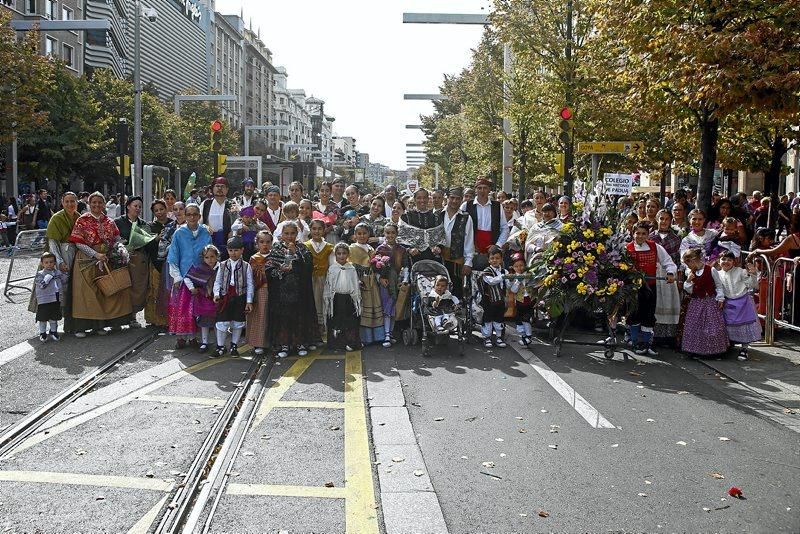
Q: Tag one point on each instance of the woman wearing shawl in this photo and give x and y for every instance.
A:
(177, 220)
(94, 234)
(156, 228)
(132, 230)
(185, 251)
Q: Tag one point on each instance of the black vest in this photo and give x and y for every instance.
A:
(457, 235)
(472, 209)
(226, 215)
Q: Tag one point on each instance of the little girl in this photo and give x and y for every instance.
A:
(199, 281)
(49, 285)
(321, 252)
(256, 330)
(292, 213)
(233, 293)
(342, 302)
(522, 289)
(372, 329)
(493, 289)
(704, 328)
(391, 279)
(441, 304)
(740, 310)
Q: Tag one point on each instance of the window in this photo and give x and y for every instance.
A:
(50, 9)
(66, 13)
(30, 6)
(68, 55)
(50, 46)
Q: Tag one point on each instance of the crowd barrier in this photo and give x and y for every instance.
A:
(789, 315)
(27, 241)
(779, 309)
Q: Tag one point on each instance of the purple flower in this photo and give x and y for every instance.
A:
(573, 276)
(563, 279)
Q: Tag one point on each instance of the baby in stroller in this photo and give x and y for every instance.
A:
(441, 307)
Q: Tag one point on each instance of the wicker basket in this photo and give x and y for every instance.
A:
(114, 282)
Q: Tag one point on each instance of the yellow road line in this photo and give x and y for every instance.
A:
(286, 491)
(143, 525)
(78, 479)
(360, 506)
(309, 404)
(280, 387)
(205, 401)
(101, 410)
(319, 357)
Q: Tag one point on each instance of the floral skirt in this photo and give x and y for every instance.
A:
(704, 330)
(181, 316)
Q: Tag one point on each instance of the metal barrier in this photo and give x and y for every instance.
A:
(27, 241)
(788, 314)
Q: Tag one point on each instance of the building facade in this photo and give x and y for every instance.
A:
(344, 149)
(66, 46)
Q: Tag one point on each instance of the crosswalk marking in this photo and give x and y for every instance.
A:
(79, 479)
(286, 491)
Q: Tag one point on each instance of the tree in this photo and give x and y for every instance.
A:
(706, 58)
(196, 118)
(25, 77)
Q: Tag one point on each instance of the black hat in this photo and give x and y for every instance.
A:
(235, 242)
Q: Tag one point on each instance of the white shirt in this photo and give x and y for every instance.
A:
(214, 215)
(302, 233)
(663, 257)
(737, 282)
(387, 209)
(275, 215)
(469, 240)
(112, 210)
(248, 278)
(484, 212)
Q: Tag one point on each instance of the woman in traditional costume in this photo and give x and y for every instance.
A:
(156, 228)
(257, 319)
(94, 234)
(376, 220)
(292, 316)
(185, 252)
(133, 231)
(372, 325)
(58, 231)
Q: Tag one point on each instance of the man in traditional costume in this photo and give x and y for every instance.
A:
(421, 230)
(216, 214)
(459, 247)
(489, 223)
(274, 213)
(248, 196)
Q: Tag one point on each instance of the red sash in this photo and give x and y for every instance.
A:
(483, 240)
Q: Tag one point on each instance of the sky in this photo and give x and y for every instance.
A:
(359, 57)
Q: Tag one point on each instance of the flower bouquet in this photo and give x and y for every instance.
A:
(380, 265)
(117, 276)
(118, 256)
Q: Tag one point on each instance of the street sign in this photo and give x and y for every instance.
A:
(618, 184)
(241, 165)
(611, 147)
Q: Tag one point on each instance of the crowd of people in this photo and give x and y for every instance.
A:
(286, 274)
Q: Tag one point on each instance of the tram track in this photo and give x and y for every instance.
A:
(31, 424)
(209, 470)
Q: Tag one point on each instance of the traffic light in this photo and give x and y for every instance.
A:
(216, 136)
(558, 163)
(565, 126)
(222, 164)
(124, 166)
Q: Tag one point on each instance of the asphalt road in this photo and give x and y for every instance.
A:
(504, 440)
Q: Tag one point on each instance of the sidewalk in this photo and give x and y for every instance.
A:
(773, 372)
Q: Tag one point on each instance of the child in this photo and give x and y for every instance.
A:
(246, 227)
(48, 284)
(441, 304)
(704, 327)
(257, 320)
(292, 316)
(321, 252)
(348, 222)
(292, 213)
(391, 279)
(199, 282)
(647, 256)
(740, 310)
(342, 302)
(493, 298)
(522, 289)
(233, 293)
(372, 329)
(3, 231)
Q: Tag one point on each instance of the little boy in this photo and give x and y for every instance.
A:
(292, 213)
(233, 293)
(493, 298)
(48, 285)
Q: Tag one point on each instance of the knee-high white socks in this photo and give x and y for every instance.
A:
(43, 327)
(222, 327)
(204, 330)
(499, 329)
(388, 324)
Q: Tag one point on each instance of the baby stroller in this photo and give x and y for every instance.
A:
(423, 275)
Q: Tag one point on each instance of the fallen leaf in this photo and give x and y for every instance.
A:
(634, 373)
(651, 420)
(398, 459)
(706, 509)
(454, 405)
(518, 418)
(647, 482)
(465, 458)
(470, 419)
(329, 484)
(502, 455)
(438, 419)
(723, 438)
(100, 498)
(499, 439)
(615, 445)
(716, 475)
(735, 492)
(680, 443)
(523, 515)
(522, 431)
(543, 410)
(334, 428)
(554, 447)
(639, 387)
(80, 452)
(419, 473)
(416, 404)
(683, 393)
(196, 421)
(642, 494)
(488, 465)
(542, 513)
(249, 453)
(174, 473)
(150, 474)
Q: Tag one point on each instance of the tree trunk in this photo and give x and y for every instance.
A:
(772, 178)
(708, 160)
(523, 161)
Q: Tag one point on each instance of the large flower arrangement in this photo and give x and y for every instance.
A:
(586, 266)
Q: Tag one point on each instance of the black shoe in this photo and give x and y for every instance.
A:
(742, 354)
(234, 350)
(203, 347)
(54, 336)
(43, 337)
(219, 352)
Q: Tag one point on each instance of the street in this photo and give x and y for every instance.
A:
(385, 440)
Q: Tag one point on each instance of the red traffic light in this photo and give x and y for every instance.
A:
(216, 126)
(565, 113)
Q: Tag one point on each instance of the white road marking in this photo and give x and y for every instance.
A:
(12, 353)
(568, 393)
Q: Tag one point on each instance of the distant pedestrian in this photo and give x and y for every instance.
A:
(43, 210)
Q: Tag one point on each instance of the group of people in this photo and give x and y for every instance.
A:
(287, 274)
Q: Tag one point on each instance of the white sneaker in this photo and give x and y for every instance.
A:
(282, 354)
(488, 344)
(302, 352)
(348, 348)
(387, 342)
(258, 350)
(500, 343)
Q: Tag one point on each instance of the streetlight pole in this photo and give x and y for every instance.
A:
(137, 98)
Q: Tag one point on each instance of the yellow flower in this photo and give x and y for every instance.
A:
(581, 271)
(556, 245)
(588, 233)
(589, 258)
(568, 227)
(611, 289)
(581, 288)
(568, 259)
(600, 292)
(600, 248)
(623, 266)
(606, 231)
